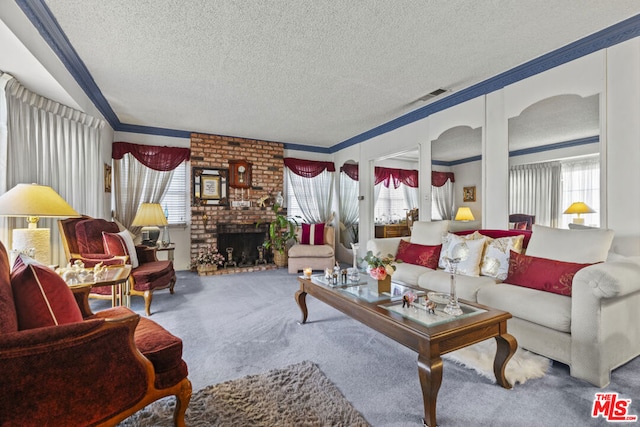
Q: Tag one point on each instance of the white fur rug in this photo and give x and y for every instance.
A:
(523, 366)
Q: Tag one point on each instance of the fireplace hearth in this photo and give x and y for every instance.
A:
(240, 243)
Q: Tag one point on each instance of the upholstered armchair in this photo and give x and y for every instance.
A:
(315, 248)
(62, 365)
(93, 240)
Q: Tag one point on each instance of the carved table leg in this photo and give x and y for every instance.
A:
(506, 347)
(301, 299)
(430, 372)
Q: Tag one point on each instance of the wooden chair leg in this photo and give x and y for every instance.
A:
(182, 402)
(173, 283)
(148, 296)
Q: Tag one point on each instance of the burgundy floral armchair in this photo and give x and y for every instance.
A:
(82, 239)
(63, 365)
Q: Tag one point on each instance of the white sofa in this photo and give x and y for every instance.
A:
(593, 331)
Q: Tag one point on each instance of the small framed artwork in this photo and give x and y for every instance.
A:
(469, 194)
(107, 178)
(210, 187)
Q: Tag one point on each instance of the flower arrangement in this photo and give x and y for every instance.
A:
(208, 256)
(380, 267)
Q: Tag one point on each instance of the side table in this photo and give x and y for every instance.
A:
(168, 249)
(116, 276)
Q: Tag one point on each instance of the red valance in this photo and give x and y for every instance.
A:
(351, 170)
(438, 179)
(308, 168)
(154, 157)
(398, 176)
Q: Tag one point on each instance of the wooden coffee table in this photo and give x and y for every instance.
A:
(429, 335)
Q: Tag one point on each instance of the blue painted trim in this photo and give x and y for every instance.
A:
(307, 148)
(42, 18)
(456, 162)
(150, 130)
(556, 146)
(608, 37)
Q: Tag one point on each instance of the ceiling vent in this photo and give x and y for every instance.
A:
(432, 95)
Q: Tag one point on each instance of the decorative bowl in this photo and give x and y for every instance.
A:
(438, 297)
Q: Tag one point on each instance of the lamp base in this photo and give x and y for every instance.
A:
(578, 220)
(150, 235)
(25, 239)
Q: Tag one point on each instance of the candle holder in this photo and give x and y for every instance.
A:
(458, 253)
(230, 262)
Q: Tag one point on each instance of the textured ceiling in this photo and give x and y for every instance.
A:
(307, 72)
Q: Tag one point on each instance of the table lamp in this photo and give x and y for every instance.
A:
(464, 214)
(33, 201)
(578, 208)
(150, 216)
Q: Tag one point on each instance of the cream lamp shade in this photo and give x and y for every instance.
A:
(33, 201)
(149, 217)
(578, 208)
(464, 214)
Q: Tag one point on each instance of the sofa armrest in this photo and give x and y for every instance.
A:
(146, 254)
(384, 246)
(608, 279)
(75, 374)
(605, 320)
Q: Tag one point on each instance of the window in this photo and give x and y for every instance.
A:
(581, 183)
(293, 209)
(390, 206)
(175, 201)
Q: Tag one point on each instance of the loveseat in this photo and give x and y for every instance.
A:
(571, 300)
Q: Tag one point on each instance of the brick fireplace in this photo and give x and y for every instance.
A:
(210, 223)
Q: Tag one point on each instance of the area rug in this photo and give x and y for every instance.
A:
(297, 395)
(522, 366)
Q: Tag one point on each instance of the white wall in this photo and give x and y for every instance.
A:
(614, 73)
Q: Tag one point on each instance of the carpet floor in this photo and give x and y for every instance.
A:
(245, 324)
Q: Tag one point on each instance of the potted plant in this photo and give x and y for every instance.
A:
(208, 260)
(281, 231)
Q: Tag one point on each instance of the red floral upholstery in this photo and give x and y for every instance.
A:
(424, 255)
(542, 274)
(96, 371)
(86, 233)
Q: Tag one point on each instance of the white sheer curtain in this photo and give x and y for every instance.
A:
(581, 183)
(534, 189)
(349, 208)
(313, 195)
(442, 201)
(410, 196)
(134, 184)
(51, 144)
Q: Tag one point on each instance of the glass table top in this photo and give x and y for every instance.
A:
(366, 288)
(418, 312)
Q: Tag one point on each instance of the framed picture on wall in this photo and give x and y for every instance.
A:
(107, 178)
(469, 194)
(210, 187)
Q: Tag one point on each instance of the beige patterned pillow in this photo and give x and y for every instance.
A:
(495, 261)
(447, 238)
(473, 248)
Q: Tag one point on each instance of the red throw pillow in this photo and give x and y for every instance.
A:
(412, 253)
(312, 234)
(42, 298)
(542, 274)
